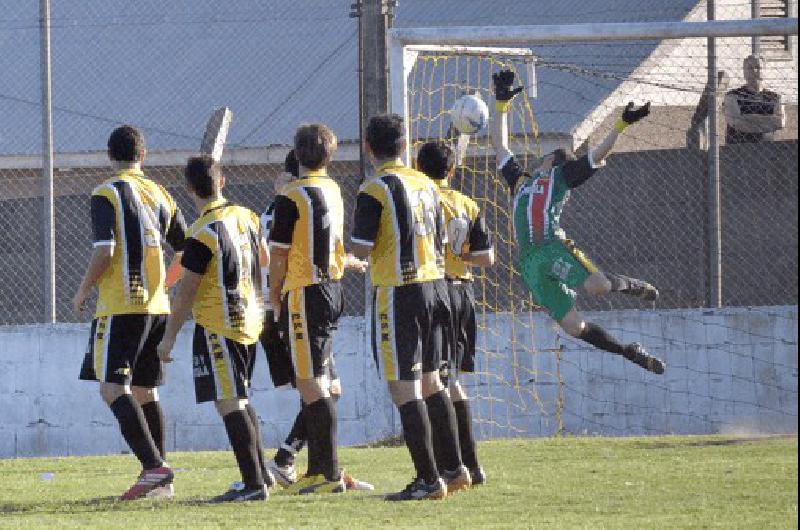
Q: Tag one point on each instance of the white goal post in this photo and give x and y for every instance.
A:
(407, 43)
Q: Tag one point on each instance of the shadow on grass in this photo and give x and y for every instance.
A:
(717, 443)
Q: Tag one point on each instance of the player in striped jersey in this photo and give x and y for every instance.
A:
(306, 241)
(399, 226)
(132, 218)
(222, 287)
(552, 266)
(469, 245)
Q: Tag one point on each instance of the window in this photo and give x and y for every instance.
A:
(775, 48)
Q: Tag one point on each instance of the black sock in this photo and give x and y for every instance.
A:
(262, 462)
(320, 419)
(296, 440)
(133, 426)
(465, 437)
(154, 415)
(444, 431)
(600, 338)
(243, 440)
(417, 433)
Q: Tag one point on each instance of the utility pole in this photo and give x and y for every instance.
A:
(714, 239)
(48, 217)
(375, 18)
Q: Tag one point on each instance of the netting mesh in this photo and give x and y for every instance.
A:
(644, 215)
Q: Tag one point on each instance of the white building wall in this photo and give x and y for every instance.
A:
(731, 369)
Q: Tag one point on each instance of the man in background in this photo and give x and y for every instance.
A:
(753, 113)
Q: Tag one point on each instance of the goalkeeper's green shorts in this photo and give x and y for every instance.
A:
(552, 272)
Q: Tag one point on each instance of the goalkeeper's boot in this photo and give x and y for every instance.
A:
(478, 476)
(642, 289)
(283, 475)
(637, 354)
(418, 490)
(320, 484)
(242, 495)
(457, 480)
(148, 481)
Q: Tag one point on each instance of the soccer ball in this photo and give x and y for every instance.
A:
(470, 114)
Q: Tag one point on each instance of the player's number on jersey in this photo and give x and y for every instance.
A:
(457, 232)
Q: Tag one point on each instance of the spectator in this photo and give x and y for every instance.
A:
(752, 112)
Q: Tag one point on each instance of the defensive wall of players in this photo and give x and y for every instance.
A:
(731, 370)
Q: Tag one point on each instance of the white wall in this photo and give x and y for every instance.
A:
(729, 370)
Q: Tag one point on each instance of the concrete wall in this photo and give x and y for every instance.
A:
(730, 369)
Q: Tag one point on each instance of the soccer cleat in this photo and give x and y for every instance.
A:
(283, 475)
(637, 354)
(242, 495)
(642, 289)
(352, 483)
(163, 492)
(320, 484)
(148, 481)
(478, 476)
(419, 491)
(457, 480)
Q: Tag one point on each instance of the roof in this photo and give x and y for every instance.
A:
(165, 65)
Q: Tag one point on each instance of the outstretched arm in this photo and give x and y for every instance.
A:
(629, 116)
(504, 94)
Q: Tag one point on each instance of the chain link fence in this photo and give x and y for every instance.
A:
(166, 67)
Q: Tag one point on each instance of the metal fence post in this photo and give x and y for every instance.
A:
(48, 217)
(756, 13)
(714, 188)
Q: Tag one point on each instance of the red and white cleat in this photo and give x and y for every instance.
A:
(149, 481)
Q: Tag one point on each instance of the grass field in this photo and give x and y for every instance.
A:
(663, 482)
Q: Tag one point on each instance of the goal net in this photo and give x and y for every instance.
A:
(650, 213)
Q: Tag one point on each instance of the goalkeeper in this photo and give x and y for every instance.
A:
(552, 267)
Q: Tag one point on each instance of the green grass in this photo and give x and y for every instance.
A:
(663, 482)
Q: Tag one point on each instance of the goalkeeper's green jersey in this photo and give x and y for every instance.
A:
(539, 199)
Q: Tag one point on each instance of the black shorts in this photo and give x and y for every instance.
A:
(278, 358)
(123, 350)
(221, 366)
(410, 329)
(309, 318)
(461, 352)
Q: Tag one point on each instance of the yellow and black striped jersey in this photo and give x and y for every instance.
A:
(136, 216)
(309, 221)
(223, 245)
(467, 232)
(399, 215)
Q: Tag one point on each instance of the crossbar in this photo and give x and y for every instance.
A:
(526, 35)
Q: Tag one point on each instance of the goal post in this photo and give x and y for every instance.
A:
(531, 379)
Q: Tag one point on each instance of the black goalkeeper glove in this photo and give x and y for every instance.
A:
(631, 115)
(504, 92)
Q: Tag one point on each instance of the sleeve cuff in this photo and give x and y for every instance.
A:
(481, 252)
(592, 163)
(104, 244)
(363, 242)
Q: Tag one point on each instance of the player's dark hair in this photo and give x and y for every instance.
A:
(385, 135)
(562, 156)
(125, 144)
(291, 165)
(436, 159)
(314, 145)
(200, 173)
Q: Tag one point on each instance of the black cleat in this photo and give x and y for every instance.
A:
(243, 495)
(419, 491)
(637, 354)
(642, 289)
(478, 476)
